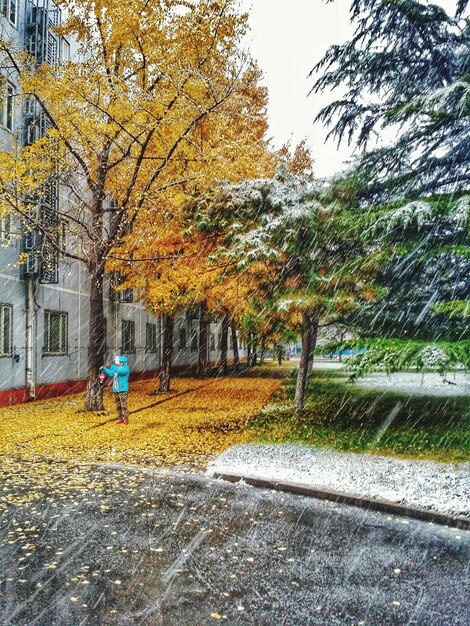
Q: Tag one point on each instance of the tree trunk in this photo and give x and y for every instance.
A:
(310, 360)
(251, 356)
(261, 355)
(224, 344)
(341, 338)
(97, 341)
(167, 356)
(236, 354)
(309, 340)
(278, 351)
(203, 340)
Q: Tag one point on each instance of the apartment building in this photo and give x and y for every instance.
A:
(44, 302)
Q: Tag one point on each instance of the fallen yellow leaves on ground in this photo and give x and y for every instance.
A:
(197, 420)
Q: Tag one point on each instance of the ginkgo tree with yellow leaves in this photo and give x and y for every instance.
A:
(130, 119)
(166, 258)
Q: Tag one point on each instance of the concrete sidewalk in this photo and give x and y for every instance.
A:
(426, 490)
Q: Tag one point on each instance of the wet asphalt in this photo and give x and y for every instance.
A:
(133, 547)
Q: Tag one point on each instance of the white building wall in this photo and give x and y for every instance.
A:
(70, 296)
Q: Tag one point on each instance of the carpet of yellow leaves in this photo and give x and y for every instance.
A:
(197, 421)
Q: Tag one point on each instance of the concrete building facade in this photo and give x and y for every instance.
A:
(44, 307)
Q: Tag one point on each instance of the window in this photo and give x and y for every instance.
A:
(6, 328)
(55, 332)
(6, 106)
(128, 337)
(62, 237)
(8, 8)
(65, 50)
(194, 341)
(30, 106)
(182, 341)
(116, 294)
(5, 228)
(151, 338)
(32, 48)
(52, 50)
(212, 341)
(30, 133)
(49, 264)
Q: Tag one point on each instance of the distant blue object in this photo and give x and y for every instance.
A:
(345, 352)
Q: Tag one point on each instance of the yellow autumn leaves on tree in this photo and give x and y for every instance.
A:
(158, 101)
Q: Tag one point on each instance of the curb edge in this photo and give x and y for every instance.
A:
(453, 521)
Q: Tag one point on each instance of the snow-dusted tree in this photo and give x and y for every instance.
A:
(427, 277)
(405, 74)
(304, 258)
(424, 319)
(395, 355)
(264, 326)
(405, 81)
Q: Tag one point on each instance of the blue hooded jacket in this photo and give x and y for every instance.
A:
(119, 374)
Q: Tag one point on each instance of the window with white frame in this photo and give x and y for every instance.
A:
(65, 50)
(9, 8)
(151, 344)
(6, 329)
(7, 106)
(55, 333)
(128, 337)
(5, 228)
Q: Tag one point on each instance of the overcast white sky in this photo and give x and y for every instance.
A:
(288, 39)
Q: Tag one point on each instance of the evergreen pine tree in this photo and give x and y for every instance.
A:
(406, 71)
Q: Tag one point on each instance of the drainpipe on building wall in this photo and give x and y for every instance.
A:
(31, 387)
(116, 339)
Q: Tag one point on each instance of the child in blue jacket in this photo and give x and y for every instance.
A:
(120, 371)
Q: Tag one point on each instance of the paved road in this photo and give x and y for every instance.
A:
(101, 546)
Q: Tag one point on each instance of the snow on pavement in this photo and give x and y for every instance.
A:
(456, 383)
(440, 487)
(417, 384)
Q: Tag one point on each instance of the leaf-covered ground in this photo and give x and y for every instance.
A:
(85, 543)
(199, 419)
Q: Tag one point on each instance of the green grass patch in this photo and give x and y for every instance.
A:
(342, 416)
